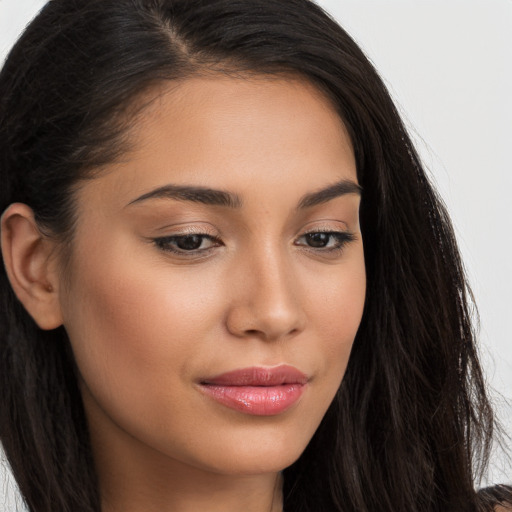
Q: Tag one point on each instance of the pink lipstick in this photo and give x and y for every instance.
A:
(257, 391)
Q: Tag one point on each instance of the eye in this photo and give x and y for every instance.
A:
(326, 241)
(189, 244)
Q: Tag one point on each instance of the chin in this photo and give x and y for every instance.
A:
(256, 455)
(256, 464)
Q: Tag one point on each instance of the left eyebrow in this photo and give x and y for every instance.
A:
(324, 195)
(194, 194)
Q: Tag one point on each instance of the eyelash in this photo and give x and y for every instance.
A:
(169, 243)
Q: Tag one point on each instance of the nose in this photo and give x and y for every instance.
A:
(265, 300)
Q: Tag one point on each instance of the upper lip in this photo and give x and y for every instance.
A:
(259, 376)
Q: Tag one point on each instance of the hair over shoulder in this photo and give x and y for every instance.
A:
(411, 426)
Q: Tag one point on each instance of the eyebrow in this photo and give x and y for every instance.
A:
(333, 191)
(214, 197)
(194, 194)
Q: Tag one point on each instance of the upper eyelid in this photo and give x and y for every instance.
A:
(184, 234)
(188, 231)
(324, 225)
(324, 230)
(201, 231)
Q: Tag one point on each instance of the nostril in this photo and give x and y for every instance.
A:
(262, 317)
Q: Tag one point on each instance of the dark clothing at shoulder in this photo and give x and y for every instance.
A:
(492, 497)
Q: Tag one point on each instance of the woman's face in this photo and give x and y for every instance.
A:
(217, 277)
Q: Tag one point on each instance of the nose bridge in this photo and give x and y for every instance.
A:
(266, 303)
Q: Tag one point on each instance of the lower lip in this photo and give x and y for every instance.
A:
(256, 400)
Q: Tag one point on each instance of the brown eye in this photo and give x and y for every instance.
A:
(325, 241)
(318, 239)
(187, 244)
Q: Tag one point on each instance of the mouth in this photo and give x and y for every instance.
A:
(257, 391)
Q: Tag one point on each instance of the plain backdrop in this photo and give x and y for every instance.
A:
(448, 64)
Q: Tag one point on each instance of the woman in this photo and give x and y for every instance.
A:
(208, 207)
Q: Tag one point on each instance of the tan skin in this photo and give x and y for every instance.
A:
(144, 322)
(147, 323)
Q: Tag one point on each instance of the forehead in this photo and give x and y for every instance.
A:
(236, 134)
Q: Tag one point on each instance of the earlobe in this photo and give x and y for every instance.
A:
(31, 266)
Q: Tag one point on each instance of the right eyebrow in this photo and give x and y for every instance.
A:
(194, 194)
(330, 192)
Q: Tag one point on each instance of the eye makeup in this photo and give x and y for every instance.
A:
(196, 244)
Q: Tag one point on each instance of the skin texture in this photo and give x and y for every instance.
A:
(148, 325)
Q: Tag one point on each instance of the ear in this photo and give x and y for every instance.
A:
(31, 265)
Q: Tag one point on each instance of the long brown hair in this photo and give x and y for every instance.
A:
(411, 426)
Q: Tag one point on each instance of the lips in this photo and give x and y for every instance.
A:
(257, 391)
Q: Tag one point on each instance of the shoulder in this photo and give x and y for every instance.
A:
(497, 498)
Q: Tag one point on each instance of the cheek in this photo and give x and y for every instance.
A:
(135, 329)
(335, 303)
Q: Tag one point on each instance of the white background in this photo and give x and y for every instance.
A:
(448, 64)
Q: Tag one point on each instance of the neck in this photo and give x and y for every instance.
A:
(190, 492)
